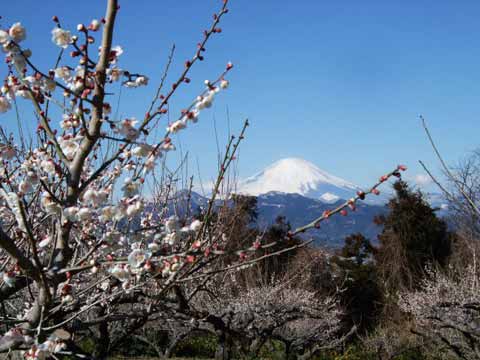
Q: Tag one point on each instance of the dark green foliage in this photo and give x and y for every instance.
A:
(413, 237)
(200, 345)
(362, 297)
(246, 206)
(357, 351)
(276, 266)
(239, 221)
(133, 346)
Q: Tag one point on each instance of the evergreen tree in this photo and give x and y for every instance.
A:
(413, 238)
(361, 297)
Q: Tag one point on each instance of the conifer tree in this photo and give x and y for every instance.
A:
(413, 238)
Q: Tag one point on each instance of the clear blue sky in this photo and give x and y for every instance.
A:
(339, 83)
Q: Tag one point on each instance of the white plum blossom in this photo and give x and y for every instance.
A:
(193, 115)
(115, 51)
(108, 213)
(118, 50)
(114, 74)
(19, 59)
(71, 213)
(32, 178)
(84, 214)
(107, 109)
(143, 150)
(168, 146)
(134, 208)
(77, 85)
(49, 85)
(7, 152)
(224, 84)
(69, 146)
(8, 278)
(94, 25)
(69, 122)
(6, 90)
(48, 165)
(25, 186)
(4, 104)
(13, 202)
(153, 247)
(130, 188)
(44, 243)
(177, 126)
(49, 205)
(46, 349)
(127, 128)
(17, 32)
(130, 84)
(141, 81)
(137, 257)
(149, 164)
(172, 224)
(90, 196)
(73, 190)
(61, 37)
(64, 73)
(22, 93)
(196, 225)
(4, 37)
(120, 273)
(204, 102)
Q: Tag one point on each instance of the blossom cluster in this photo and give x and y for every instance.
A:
(81, 204)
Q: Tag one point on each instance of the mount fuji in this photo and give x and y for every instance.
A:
(298, 176)
(300, 192)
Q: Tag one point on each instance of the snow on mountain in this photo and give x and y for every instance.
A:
(329, 198)
(298, 176)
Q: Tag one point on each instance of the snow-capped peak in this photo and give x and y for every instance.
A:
(294, 175)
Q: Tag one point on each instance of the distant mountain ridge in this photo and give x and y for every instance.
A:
(299, 210)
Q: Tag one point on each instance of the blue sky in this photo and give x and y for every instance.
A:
(338, 83)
